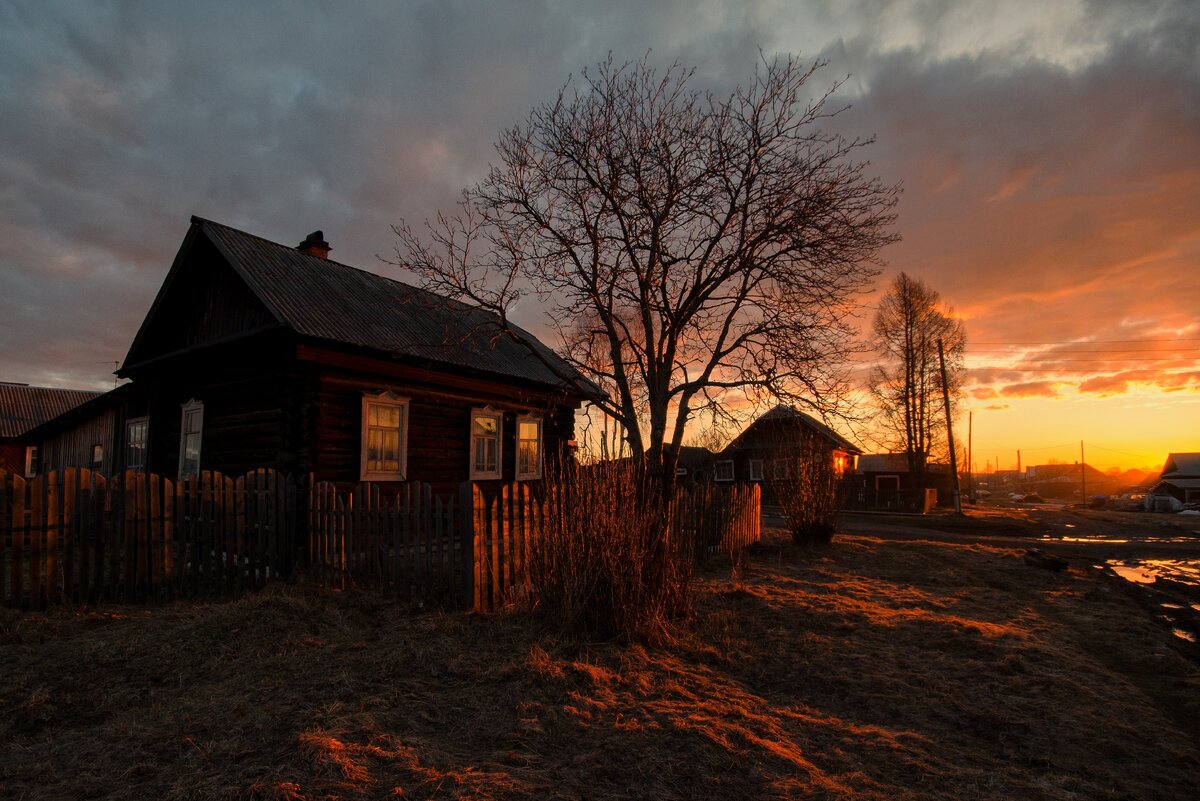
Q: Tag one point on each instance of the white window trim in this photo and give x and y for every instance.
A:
(130, 423)
(756, 474)
(385, 398)
(541, 443)
(191, 405)
(482, 475)
(717, 471)
(32, 463)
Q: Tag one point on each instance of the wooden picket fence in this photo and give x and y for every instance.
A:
(74, 536)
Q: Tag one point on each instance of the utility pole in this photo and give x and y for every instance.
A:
(970, 464)
(949, 428)
(1082, 475)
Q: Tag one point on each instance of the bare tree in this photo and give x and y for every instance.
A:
(907, 385)
(804, 480)
(686, 247)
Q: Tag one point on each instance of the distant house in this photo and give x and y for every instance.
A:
(1179, 480)
(22, 409)
(694, 463)
(883, 480)
(1068, 481)
(256, 354)
(775, 438)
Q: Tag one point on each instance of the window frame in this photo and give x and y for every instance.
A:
(184, 410)
(717, 471)
(541, 448)
(32, 461)
(391, 400)
(485, 475)
(130, 424)
(759, 474)
(97, 462)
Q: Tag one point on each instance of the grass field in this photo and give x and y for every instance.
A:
(867, 669)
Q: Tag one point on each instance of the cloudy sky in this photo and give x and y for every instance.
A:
(1049, 152)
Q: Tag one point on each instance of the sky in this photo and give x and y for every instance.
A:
(1049, 153)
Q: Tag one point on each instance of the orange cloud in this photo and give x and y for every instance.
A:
(1031, 389)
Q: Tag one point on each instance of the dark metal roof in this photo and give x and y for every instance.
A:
(1182, 465)
(324, 299)
(23, 407)
(784, 413)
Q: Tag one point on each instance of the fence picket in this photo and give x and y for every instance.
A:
(75, 536)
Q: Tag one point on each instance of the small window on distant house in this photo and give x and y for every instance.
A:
(31, 461)
(529, 448)
(191, 433)
(723, 470)
(384, 438)
(485, 443)
(756, 469)
(136, 432)
(97, 456)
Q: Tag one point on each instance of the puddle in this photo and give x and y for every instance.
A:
(1138, 575)
(1096, 539)
(1177, 571)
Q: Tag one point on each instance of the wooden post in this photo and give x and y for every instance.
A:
(1082, 475)
(949, 428)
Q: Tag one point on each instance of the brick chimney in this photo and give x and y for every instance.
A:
(315, 245)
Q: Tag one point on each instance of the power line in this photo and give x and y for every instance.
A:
(1097, 350)
(1035, 360)
(1093, 342)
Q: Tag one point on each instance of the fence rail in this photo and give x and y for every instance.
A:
(75, 536)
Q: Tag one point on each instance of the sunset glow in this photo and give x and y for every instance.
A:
(1049, 154)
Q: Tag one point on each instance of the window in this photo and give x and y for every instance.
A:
(756, 469)
(191, 430)
(97, 456)
(384, 438)
(485, 443)
(136, 432)
(529, 448)
(31, 461)
(723, 470)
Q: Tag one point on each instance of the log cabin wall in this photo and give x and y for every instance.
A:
(438, 446)
(74, 446)
(250, 391)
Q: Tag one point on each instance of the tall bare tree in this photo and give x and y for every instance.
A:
(907, 385)
(685, 246)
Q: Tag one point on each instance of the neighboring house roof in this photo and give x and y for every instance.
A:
(893, 463)
(1182, 465)
(693, 456)
(783, 413)
(323, 299)
(23, 408)
(1063, 473)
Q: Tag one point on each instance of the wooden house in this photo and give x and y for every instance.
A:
(256, 354)
(1177, 485)
(770, 441)
(22, 409)
(883, 481)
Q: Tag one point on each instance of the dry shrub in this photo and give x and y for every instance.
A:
(611, 563)
(805, 482)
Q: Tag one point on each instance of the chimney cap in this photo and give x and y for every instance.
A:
(315, 245)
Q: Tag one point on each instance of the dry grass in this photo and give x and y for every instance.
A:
(867, 669)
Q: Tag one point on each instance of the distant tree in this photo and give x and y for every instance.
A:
(685, 246)
(906, 385)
